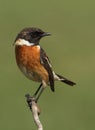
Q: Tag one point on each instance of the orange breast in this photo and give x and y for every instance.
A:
(28, 60)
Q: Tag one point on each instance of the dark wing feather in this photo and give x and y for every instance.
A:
(46, 63)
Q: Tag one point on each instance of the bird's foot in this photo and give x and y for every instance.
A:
(32, 101)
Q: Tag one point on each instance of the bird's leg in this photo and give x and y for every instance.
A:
(43, 86)
(39, 94)
(37, 90)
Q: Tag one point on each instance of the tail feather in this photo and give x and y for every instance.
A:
(65, 80)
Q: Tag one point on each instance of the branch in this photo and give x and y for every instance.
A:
(35, 110)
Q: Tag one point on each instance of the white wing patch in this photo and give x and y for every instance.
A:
(48, 62)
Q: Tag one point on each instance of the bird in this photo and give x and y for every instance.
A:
(33, 61)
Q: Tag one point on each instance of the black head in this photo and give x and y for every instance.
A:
(33, 35)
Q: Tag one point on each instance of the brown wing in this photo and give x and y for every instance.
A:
(46, 63)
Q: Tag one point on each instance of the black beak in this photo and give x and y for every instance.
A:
(46, 34)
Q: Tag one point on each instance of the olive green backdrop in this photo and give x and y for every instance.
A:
(71, 49)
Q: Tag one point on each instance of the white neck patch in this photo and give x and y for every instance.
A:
(22, 42)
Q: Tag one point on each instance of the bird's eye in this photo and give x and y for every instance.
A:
(35, 34)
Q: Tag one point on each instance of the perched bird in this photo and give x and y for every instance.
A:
(33, 61)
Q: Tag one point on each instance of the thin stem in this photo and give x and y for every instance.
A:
(35, 111)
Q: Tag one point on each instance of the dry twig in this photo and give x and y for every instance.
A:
(35, 111)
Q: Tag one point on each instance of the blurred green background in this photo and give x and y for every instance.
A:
(71, 49)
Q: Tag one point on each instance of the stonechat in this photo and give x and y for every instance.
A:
(33, 61)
